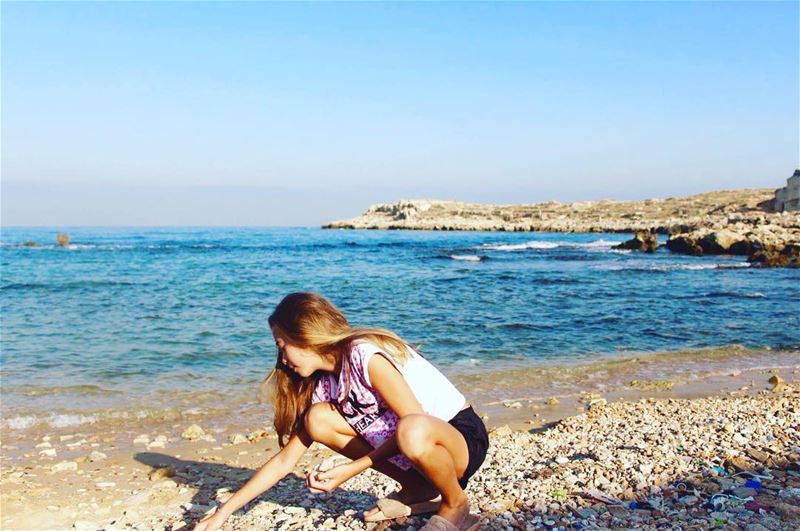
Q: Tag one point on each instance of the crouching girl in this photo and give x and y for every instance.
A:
(368, 395)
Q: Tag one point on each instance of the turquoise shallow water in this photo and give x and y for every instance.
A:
(162, 316)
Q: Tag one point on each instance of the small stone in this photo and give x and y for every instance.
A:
(561, 460)
(105, 484)
(65, 466)
(758, 455)
(552, 401)
(142, 439)
(728, 427)
(502, 431)
(238, 439)
(83, 525)
(744, 492)
(96, 456)
(157, 444)
(596, 403)
(193, 432)
(48, 452)
(161, 473)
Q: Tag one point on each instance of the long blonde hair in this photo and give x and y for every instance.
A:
(310, 321)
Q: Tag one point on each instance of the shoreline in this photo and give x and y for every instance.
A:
(96, 480)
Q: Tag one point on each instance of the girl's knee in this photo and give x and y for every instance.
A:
(318, 422)
(414, 435)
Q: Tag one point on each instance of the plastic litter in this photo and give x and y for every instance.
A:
(753, 484)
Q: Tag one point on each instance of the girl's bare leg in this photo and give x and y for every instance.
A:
(440, 452)
(327, 426)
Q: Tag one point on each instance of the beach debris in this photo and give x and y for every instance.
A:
(62, 238)
(161, 473)
(65, 466)
(513, 405)
(778, 385)
(193, 432)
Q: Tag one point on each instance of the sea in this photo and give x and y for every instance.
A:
(126, 325)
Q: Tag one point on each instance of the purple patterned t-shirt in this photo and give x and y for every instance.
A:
(364, 408)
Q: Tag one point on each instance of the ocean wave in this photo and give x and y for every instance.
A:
(30, 390)
(535, 244)
(541, 244)
(733, 294)
(54, 420)
(78, 284)
(467, 257)
(675, 267)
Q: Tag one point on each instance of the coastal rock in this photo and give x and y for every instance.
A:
(736, 222)
(193, 432)
(787, 255)
(684, 244)
(643, 240)
(62, 238)
(723, 242)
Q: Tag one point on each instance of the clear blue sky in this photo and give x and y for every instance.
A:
(295, 114)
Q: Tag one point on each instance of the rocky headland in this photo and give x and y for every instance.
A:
(738, 222)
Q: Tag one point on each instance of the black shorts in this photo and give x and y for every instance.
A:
(470, 425)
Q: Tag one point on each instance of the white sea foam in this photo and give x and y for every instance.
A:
(66, 420)
(596, 243)
(466, 257)
(675, 267)
(520, 246)
(22, 422)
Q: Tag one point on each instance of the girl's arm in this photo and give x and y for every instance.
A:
(278, 466)
(394, 389)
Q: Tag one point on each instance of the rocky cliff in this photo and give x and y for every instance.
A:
(725, 222)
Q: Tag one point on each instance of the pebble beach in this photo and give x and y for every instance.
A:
(728, 461)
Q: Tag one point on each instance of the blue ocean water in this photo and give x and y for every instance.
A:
(122, 314)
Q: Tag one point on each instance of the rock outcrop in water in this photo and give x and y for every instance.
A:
(643, 240)
(726, 222)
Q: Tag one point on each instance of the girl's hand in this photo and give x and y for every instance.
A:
(319, 481)
(211, 522)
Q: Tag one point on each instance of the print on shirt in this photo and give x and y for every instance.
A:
(369, 411)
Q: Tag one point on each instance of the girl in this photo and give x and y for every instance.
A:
(368, 395)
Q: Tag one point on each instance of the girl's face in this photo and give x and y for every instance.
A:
(303, 362)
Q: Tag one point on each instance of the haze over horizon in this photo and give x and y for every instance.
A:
(298, 114)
